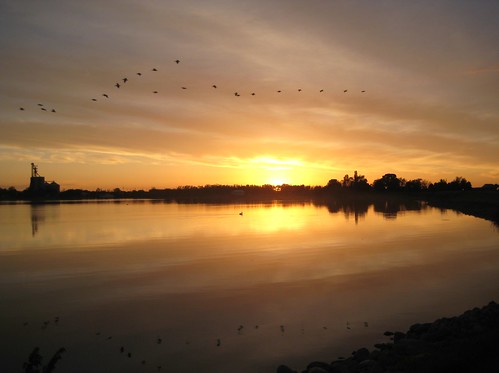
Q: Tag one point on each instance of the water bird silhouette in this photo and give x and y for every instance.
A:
(105, 95)
(154, 69)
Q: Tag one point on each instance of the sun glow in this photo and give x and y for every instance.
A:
(274, 171)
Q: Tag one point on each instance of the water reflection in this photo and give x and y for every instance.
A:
(358, 208)
(202, 277)
(37, 217)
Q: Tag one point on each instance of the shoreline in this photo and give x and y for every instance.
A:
(465, 343)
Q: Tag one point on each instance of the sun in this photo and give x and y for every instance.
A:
(278, 180)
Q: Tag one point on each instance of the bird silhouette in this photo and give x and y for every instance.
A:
(154, 91)
(53, 110)
(21, 108)
(117, 85)
(177, 61)
(125, 80)
(214, 86)
(184, 87)
(236, 94)
(139, 74)
(154, 69)
(362, 91)
(321, 90)
(253, 93)
(94, 99)
(219, 342)
(299, 89)
(40, 104)
(43, 109)
(279, 91)
(105, 95)
(345, 91)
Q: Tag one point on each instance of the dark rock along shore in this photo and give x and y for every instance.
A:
(465, 343)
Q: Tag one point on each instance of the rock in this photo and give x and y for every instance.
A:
(361, 355)
(318, 364)
(318, 370)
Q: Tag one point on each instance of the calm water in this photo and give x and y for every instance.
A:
(279, 284)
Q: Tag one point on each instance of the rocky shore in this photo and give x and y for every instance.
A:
(465, 343)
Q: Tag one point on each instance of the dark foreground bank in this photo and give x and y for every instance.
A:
(465, 343)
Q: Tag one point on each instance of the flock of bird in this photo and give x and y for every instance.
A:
(127, 353)
(121, 83)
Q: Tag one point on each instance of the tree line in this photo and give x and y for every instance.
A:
(388, 183)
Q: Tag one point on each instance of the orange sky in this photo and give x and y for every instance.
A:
(430, 72)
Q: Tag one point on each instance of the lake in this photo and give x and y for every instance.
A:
(229, 287)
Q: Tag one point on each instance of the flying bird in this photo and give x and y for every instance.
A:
(43, 109)
(94, 99)
(117, 85)
(125, 80)
(105, 95)
(184, 87)
(40, 104)
(155, 92)
(21, 108)
(279, 91)
(214, 86)
(53, 111)
(345, 91)
(139, 74)
(154, 69)
(253, 93)
(177, 61)
(236, 94)
(321, 90)
(362, 91)
(299, 89)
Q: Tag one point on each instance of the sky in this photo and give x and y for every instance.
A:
(404, 87)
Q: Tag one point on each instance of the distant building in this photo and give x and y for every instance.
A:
(38, 187)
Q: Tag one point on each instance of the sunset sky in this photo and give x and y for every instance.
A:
(429, 69)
